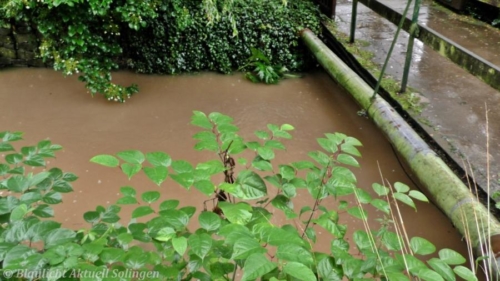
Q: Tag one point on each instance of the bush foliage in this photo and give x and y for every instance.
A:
(183, 39)
(243, 189)
(88, 38)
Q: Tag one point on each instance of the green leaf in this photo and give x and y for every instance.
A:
(127, 200)
(131, 156)
(70, 177)
(180, 244)
(159, 159)
(200, 244)
(442, 268)
(418, 195)
(130, 169)
(112, 255)
(201, 120)
(209, 221)
(18, 213)
(396, 276)
(157, 174)
(405, 199)
(274, 144)
(299, 271)
(350, 149)
(17, 184)
(239, 213)
(6, 147)
(142, 211)
(262, 135)
(465, 273)
(401, 187)
(128, 191)
(150, 196)
(265, 153)
(44, 211)
(287, 172)
(381, 205)
(105, 160)
(358, 213)
(184, 179)
(287, 127)
(14, 158)
(252, 185)
(59, 236)
(91, 217)
(169, 204)
(328, 271)
(52, 197)
(219, 118)
(165, 234)
(205, 186)
(278, 236)
(380, 189)
(256, 266)
(262, 165)
(181, 166)
(246, 246)
(422, 246)
(429, 275)
(348, 160)
(296, 253)
(451, 257)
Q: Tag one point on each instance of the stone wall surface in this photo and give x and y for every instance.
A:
(19, 44)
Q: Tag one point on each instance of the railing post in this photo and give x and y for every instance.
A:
(353, 20)
(409, 52)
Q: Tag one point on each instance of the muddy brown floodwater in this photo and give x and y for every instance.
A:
(45, 105)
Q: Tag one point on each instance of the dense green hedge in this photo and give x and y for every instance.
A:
(182, 39)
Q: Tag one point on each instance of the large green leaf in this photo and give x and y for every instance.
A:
(169, 204)
(295, 253)
(245, 247)
(239, 213)
(112, 255)
(184, 179)
(131, 156)
(176, 218)
(265, 153)
(16, 256)
(252, 185)
(200, 119)
(442, 268)
(205, 186)
(150, 196)
(130, 169)
(429, 275)
(451, 257)
(58, 236)
(200, 244)
(328, 271)
(422, 246)
(299, 271)
(159, 159)
(180, 244)
(156, 174)
(142, 211)
(105, 160)
(209, 221)
(465, 273)
(405, 199)
(256, 266)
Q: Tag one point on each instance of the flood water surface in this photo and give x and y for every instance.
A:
(45, 105)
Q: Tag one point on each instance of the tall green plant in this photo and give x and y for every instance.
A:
(236, 234)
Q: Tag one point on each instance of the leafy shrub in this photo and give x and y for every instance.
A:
(235, 234)
(166, 46)
(88, 38)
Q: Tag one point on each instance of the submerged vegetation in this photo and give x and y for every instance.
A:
(92, 38)
(235, 234)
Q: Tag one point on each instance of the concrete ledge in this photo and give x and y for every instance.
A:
(471, 62)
